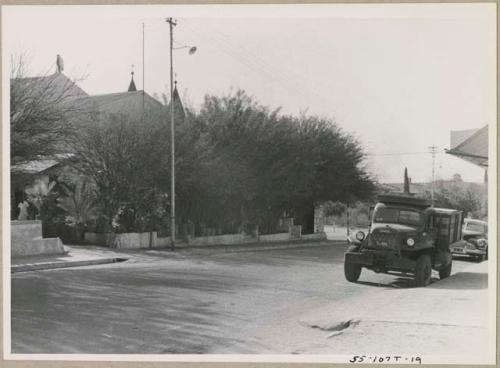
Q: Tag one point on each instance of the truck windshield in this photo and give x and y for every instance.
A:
(399, 216)
(475, 226)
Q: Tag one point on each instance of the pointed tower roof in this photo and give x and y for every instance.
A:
(178, 108)
(131, 87)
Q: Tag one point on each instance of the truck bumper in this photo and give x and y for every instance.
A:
(381, 262)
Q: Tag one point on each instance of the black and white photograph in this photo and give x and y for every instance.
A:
(250, 183)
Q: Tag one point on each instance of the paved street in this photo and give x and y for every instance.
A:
(186, 302)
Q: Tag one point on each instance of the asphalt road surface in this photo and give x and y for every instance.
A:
(188, 303)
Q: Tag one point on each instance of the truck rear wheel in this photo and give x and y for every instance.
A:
(445, 272)
(352, 271)
(423, 270)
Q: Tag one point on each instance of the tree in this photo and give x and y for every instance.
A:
(406, 186)
(466, 197)
(260, 164)
(79, 202)
(38, 193)
(43, 113)
(239, 166)
(125, 159)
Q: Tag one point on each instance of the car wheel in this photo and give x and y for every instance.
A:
(423, 270)
(477, 259)
(445, 272)
(352, 271)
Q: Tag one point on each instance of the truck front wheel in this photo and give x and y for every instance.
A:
(445, 272)
(423, 270)
(352, 271)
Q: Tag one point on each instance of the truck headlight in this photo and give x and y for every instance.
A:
(410, 242)
(360, 235)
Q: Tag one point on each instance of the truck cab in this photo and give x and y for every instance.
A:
(406, 235)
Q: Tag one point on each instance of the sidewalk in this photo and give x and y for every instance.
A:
(87, 255)
(76, 256)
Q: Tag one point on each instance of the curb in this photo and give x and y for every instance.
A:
(55, 265)
(251, 248)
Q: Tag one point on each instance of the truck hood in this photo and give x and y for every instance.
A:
(394, 227)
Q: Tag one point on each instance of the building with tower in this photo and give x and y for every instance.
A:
(133, 103)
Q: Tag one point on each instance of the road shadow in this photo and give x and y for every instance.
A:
(463, 281)
(123, 311)
(398, 283)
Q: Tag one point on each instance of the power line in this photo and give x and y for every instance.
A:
(399, 153)
(257, 64)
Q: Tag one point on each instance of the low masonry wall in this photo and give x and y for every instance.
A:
(163, 242)
(151, 240)
(123, 240)
(275, 237)
(103, 239)
(315, 236)
(218, 240)
(26, 240)
(133, 240)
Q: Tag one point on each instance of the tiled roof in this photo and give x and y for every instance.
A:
(34, 167)
(124, 102)
(38, 166)
(56, 83)
(474, 148)
(459, 136)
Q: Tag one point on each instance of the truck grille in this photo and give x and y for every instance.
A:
(388, 240)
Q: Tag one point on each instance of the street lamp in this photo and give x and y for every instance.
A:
(192, 50)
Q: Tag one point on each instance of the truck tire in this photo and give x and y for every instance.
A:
(445, 272)
(352, 248)
(352, 271)
(423, 270)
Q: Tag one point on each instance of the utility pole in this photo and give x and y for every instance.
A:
(171, 22)
(347, 219)
(143, 74)
(433, 151)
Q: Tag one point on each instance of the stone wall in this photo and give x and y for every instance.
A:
(124, 240)
(275, 237)
(145, 240)
(102, 239)
(315, 236)
(26, 240)
(134, 240)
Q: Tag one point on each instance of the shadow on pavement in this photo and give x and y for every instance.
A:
(115, 312)
(463, 281)
(398, 283)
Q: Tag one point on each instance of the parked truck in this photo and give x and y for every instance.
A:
(406, 236)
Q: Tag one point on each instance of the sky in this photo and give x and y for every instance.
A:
(398, 77)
